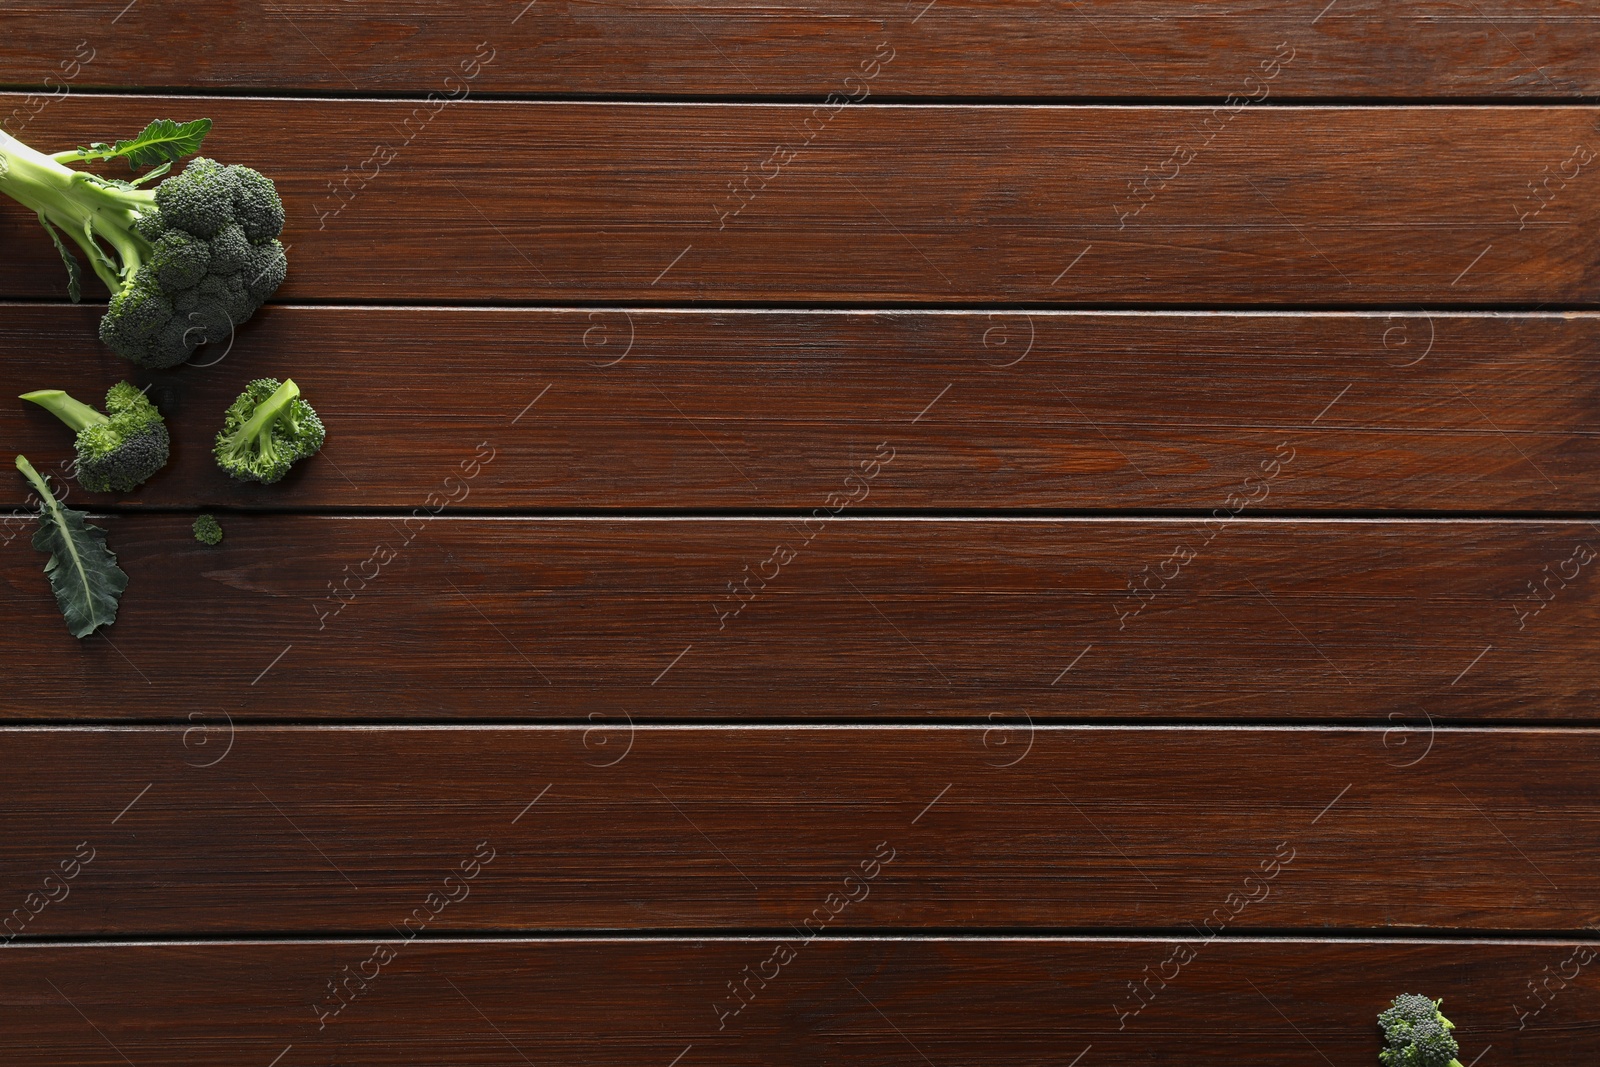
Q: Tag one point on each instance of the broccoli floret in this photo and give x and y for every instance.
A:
(226, 296)
(119, 450)
(1416, 1034)
(266, 431)
(210, 230)
(180, 333)
(230, 250)
(180, 260)
(207, 530)
(200, 200)
(257, 206)
(268, 267)
(150, 226)
(135, 316)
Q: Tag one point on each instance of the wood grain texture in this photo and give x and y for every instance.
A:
(841, 618)
(664, 409)
(413, 697)
(997, 48)
(878, 1003)
(268, 830)
(552, 203)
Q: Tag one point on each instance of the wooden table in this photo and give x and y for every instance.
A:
(950, 533)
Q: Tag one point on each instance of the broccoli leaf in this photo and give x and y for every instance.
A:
(74, 271)
(97, 256)
(150, 175)
(163, 141)
(83, 572)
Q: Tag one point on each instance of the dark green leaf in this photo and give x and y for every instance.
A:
(163, 141)
(104, 266)
(74, 271)
(82, 570)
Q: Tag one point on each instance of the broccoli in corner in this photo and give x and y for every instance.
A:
(1416, 1034)
(266, 431)
(184, 262)
(207, 530)
(119, 450)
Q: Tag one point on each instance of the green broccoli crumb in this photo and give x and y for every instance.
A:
(207, 530)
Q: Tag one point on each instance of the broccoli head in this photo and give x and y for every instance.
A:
(266, 431)
(185, 262)
(119, 450)
(1416, 1034)
(207, 530)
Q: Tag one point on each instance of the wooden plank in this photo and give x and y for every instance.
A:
(891, 1002)
(607, 408)
(552, 203)
(832, 617)
(1103, 48)
(261, 830)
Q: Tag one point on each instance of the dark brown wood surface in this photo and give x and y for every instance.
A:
(497, 618)
(663, 409)
(892, 1003)
(207, 829)
(551, 203)
(1091, 507)
(501, 618)
(1104, 49)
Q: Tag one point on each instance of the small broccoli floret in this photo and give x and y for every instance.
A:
(207, 530)
(1416, 1034)
(119, 450)
(185, 263)
(266, 431)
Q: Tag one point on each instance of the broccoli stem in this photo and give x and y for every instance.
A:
(266, 413)
(78, 155)
(39, 483)
(79, 205)
(77, 415)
